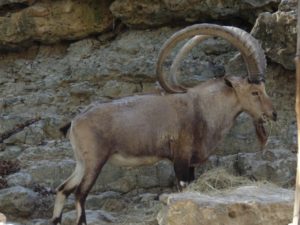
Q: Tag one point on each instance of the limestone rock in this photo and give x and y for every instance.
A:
(114, 88)
(127, 179)
(58, 81)
(110, 198)
(40, 222)
(94, 217)
(19, 179)
(11, 2)
(50, 173)
(114, 69)
(249, 205)
(11, 152)
(153, 13)
(2, 218)
(51, 164)
(278, 34)
(275, 165)
(18, 201)
(50, 22)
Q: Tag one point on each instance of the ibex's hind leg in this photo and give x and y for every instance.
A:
(64, 190)
(91, 173)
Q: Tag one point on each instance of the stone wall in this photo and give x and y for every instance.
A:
(57, 57)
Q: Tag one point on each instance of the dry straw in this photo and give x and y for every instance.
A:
(219, 180)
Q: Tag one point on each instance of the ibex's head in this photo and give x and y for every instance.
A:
(255, 101)
(250, 91)
(253, 98)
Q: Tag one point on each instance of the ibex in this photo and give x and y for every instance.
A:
(184, 127)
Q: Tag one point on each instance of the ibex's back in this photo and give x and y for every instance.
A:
(137, 125)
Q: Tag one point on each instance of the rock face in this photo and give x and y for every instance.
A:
(159, 12)
(278, 34)
(95, 217)
(18, 200)
(50, 22)
(55, 82)
(248, 205)
(23, 23)
(276, 165)
(89, 71)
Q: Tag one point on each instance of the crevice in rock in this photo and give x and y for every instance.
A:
(225, 21)
(6, 10)
(7, 167)
(102, 37)
(18, 128)
(234, 21)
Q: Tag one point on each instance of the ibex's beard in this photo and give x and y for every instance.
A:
(261, 133)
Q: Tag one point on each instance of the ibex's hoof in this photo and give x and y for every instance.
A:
(183, 184)
(55, 221)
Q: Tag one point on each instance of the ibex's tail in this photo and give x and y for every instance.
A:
(64, 129)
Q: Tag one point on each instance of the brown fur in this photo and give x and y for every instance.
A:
(184, 128)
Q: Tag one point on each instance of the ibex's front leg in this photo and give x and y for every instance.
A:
(182, 172)
(191, 174)
(182, 159)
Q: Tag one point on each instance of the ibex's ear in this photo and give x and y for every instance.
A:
(232, 82)
(228, 82)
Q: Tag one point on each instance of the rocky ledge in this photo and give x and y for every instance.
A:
(248, 205)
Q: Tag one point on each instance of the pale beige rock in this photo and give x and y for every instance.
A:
(9, 2)
(145, 13)
(52, 21)
(278, 34)
(2, 218)
(249, 205)
(94, 217)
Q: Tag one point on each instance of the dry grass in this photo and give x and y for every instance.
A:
(218, 180)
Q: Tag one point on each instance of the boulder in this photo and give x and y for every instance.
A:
(49, 22)
(2, 218)
(274, 165)
(94, 217)
(19, 179)
(18, 201)
(248, 205)
(14, 2)
(50, 173)
(144, 13)
(278, 34)
(49, 165)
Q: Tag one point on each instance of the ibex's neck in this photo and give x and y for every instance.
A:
(225, 107)
(218, 107)
(218, 103)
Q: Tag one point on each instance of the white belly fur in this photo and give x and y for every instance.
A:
(132, 161)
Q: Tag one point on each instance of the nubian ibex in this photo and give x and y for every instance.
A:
(184, 127)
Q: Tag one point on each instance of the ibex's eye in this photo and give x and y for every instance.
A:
(255, 93)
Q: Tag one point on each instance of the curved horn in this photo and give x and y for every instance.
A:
(186, 48)
(249, 47)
